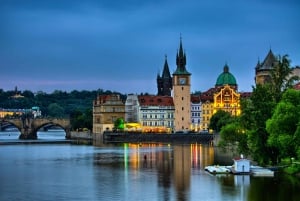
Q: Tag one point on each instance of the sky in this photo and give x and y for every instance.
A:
(121, 45)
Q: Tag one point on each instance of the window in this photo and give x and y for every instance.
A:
(182, 108)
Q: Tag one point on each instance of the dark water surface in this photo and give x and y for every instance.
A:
(129, 172)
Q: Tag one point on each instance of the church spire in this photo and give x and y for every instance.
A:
(166, 71)
(164, 82)
(181, 60)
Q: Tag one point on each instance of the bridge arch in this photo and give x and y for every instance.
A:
(50, 124)
(29, 126)
(6, 122)
(60, 122)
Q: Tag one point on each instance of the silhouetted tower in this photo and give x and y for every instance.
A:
(164, 82)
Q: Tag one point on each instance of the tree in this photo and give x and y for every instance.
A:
(119, 124)
(220, 119)
(255, 112)
(233, 134)
(281, 77)
(285, 124)
(55, 110)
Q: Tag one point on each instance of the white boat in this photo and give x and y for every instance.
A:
(261, 172)
(216, 169)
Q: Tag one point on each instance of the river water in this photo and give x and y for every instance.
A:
(47, 172)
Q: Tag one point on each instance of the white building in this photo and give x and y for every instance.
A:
(241, 165)
(132, 109)
(156, 111)
(195, 112)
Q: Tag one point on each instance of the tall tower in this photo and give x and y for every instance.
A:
(182, 92)
(263, 70)
(164, 82)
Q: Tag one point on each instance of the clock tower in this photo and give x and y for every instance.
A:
(182, 92)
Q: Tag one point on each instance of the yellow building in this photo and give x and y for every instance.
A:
(207, 108)
(226, 96)
(106, 110)
(223, 97)
(227, 99)
(10, 112)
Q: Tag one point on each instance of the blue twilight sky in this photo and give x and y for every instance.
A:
(120, 45)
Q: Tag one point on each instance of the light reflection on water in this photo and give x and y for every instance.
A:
(42, 135)
(127, 172)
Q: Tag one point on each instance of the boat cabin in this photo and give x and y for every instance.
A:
(241, 165)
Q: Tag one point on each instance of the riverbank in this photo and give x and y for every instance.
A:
(114, 137)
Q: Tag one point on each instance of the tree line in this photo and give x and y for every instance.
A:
(76, 105)
(268, 129)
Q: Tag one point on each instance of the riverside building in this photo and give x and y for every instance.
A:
(106, 110)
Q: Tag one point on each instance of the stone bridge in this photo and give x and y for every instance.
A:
(29, 126)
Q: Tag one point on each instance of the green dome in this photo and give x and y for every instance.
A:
(226, 78)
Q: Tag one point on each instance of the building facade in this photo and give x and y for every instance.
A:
(195, 112)
(228, 100)
(106, 110)
(156, 112)
(207, 108)
(226, 96)
(132, 109)
(182, 92)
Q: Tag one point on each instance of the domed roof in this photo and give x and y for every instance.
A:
(226, 78)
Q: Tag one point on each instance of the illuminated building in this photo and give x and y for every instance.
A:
(156, 112)
(182, 92)
(106, 110)
(223, 96)
(11, 112)
(207, 105)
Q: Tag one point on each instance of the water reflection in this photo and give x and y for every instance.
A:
(54, 134)
(170, 165)
(129, 172)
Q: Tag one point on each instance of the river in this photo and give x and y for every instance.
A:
(165, 172)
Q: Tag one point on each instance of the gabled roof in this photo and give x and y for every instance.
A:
(151, 100)
(268, 63)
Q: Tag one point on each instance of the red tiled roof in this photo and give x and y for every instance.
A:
(208, 95)
(151, 100)
(195, 98)
(104, 97)
(297, 86)
(245, 94)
